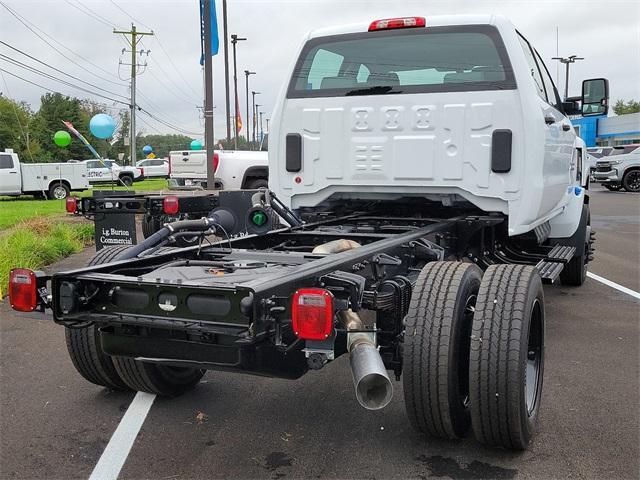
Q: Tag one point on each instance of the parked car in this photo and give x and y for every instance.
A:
(155, 167)
(51, 180)
(620, 169)
(234, 169)
(108, 171)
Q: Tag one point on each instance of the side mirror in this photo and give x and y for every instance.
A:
(595, 97)
(571, 106)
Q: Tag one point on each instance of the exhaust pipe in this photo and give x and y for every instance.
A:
(374, 389)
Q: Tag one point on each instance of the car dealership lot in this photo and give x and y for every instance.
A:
(56, 425)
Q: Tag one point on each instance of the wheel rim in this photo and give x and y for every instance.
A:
(465, 348)
(633, 180)
(59, 192)
(534, 358)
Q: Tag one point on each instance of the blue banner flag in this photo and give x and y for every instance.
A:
(215, 42)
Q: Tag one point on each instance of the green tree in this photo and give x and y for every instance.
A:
(621, 107)
(162, 144)
(15, 124)
(54, 108)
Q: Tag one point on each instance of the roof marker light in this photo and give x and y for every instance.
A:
(402, 22)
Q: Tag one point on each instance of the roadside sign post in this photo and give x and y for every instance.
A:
(114, 228)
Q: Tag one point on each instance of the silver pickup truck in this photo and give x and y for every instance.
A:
(620, 169)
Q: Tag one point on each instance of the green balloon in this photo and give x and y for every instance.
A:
(62, 138)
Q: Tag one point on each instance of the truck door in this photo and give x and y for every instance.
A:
(559, 134)
(10, 176)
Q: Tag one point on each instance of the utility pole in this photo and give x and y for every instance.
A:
(226, 68)
(234, 40)
(134, 70)
(567, 61)
(209, 137)
(247, 73)
(253, 116)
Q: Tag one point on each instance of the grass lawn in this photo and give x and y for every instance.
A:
(17, 209)
(38, 242)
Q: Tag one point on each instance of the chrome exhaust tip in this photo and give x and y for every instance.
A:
(374, 389)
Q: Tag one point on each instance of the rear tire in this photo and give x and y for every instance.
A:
(159, 379)
(58, 191)
(126, 180)
(150, 225)
(631, 181)
(436, 348)
(258, 183)
(507, 356)
(83, 344)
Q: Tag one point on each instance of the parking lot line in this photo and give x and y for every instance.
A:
(615, 285)
(114, 456)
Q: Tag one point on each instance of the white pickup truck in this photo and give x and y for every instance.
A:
(53, 180)
(234, 169)
(108, 171)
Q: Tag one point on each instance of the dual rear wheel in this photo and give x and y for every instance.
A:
(474, 352)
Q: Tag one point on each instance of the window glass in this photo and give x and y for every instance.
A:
(363, 74)
(6, 161)
(533, 67)
(92, 165)
(325, 65)
(157, 163)
(403, 61)
(548, 82)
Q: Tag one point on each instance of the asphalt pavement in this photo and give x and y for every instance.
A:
(53, 424)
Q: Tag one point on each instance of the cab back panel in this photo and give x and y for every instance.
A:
(395, 141)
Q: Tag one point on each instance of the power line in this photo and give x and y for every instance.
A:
(90, 13)
(145, 111)
(56, 79)
(161, 48)
(58, 70)
(29, 26)
(169, 89)
(129, 15)
(166, 123)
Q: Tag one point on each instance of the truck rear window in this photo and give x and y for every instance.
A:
(437, 59)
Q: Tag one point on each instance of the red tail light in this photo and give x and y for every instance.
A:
(404, 22)
(312, 313)
(141, 172)
(23, 294)
(170, 205)
(216, 162)
(71, 205)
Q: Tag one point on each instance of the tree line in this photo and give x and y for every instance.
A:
(30, 133)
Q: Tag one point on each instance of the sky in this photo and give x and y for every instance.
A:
(606, 33)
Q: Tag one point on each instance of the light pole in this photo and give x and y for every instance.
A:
(261, 131)
(234, 40)
(267, 119)
(253, 117)
(256, 130)
(567, 61)
(247, 73)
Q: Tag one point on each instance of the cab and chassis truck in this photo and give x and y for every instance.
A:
(425, 182)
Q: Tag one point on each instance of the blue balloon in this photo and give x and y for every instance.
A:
(196, 145)
(102, 126)
(147, 149)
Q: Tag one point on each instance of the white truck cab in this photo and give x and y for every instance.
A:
(456, 109)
